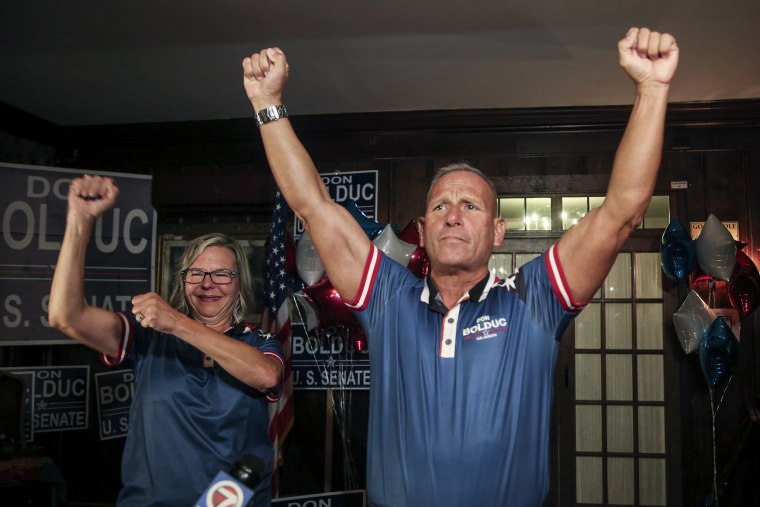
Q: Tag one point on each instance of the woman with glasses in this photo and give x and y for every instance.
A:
(203, 377)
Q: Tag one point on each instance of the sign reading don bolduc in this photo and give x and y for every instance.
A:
(119, 260)
(357, 186)
(322, 362)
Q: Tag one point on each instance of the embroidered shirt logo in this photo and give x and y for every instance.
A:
(485, 328)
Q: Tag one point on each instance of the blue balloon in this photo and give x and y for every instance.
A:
(371, 228)
(678, 254)
(718, 351)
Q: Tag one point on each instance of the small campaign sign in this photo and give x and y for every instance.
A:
(115, 391)
(59, 396)
(322, 362)
(353, 498)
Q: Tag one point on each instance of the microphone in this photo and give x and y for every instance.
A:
(234, 489)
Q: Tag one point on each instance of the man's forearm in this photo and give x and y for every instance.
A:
(292, 167)
(638, 157)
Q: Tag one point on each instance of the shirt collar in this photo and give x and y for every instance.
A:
(431, 297)
(236, 329)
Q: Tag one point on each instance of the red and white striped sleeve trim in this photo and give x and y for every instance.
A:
(371, 266)
(274, 396)
(126, 338)
(558, 281)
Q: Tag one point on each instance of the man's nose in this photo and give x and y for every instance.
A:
(453, 216)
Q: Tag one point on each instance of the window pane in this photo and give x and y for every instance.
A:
(650, 379)
(588, 424)
(588, 375)
(513, 212)
(619, 428)
(658, 213)
(652, 489)
(501, 264)
(594, 202)
(573, 208)
(618, 281)
(588, 480)
(652, 429)
(619, 377)
(617, 326)
(620, 481)
(649, 326)
(648, 274)
(538, 214)
(588, 327)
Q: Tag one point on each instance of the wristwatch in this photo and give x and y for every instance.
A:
(271, 113)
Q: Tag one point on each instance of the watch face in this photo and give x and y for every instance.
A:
(272, 113)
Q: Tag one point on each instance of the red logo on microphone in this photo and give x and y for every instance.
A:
(225, 494)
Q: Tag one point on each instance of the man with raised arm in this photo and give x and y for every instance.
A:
(462, 362)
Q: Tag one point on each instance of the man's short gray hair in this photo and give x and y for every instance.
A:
(465, 167)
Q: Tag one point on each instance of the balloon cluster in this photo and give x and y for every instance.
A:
(325, 314)
(714, 257)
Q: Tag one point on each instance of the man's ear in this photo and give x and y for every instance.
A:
(421, 230)
(499, 228)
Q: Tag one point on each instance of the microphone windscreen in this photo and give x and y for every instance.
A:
(248, 469)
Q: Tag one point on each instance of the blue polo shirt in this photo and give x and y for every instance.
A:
(189, 418)
(461, 398)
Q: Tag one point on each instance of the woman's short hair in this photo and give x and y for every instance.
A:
(194, 249)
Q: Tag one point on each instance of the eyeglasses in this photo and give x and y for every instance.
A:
(219, 277)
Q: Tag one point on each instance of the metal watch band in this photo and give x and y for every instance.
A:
(271, 113)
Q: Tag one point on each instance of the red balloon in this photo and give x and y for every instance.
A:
(699, 276)
(744, 264)
(356, 340)
(419, 263)
(410, 234)
(330, 309)
(744, 285)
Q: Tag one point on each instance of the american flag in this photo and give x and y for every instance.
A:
(276, 320)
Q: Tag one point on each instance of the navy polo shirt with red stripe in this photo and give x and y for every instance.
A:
(461, 398)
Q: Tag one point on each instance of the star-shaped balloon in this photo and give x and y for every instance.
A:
(716, 249)
(370, 227)
(390, 245)
(744, 285)
(308, 264)
(718, 351)
(410, 233)
(306, 311)
(419, 263)
(677, 253)
(331, 311)
(692, 320)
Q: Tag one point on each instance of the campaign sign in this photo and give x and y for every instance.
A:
(27, 377)
(115, 390)
(324, 362)
(119, 259)
(357, 186)
(354, 498)
(59, 395)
